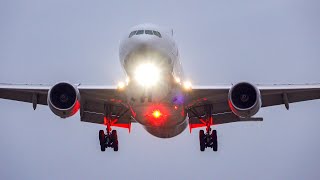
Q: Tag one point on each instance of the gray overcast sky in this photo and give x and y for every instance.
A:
(273, 41)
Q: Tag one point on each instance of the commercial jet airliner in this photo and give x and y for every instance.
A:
(157, 95)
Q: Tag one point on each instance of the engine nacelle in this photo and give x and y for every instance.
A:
(64, 99)
(244, 99)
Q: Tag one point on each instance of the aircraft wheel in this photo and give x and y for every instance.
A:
(201, 140)
(101, 136)
(115, 143)
(214, 140)
(103, 147)
(102, 140)
(116, 146)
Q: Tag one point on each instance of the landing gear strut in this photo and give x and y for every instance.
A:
(110, 137)
(208, 139)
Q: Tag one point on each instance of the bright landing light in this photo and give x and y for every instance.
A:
(121, 85)
(187, 85)
(156, 114)
(147, 74)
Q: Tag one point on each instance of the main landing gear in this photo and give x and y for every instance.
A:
(110, 139)
(208, 138)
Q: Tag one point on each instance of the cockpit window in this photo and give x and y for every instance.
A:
(157, 34)
(149, 32)
(140, 32)
(132, 33)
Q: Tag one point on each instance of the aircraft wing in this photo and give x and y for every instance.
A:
(93, 100)
(271, 95)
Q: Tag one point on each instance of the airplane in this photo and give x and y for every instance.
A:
(157, 95)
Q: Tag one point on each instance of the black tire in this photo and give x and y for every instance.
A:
(103, 147)
(214, 140)
(115, 145)
(102, 140)
(201, 140)
(101, 137)
(114, 135)
(115, 142)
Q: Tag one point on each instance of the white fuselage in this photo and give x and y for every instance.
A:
(148, 44)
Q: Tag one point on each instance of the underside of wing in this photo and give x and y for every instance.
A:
(218, 99)
(95, 111)
(93, 103)
(35, 94)
(99, 102)
(286, 94)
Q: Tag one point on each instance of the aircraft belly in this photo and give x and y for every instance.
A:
(171, 118)
(170, 132)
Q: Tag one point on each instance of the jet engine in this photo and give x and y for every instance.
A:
(244, 99)
(64, 99)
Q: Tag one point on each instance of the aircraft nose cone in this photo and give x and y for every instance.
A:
(144, 41)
